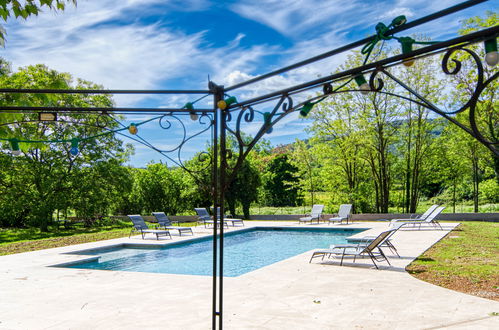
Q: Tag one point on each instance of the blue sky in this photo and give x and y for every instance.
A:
(161, 44)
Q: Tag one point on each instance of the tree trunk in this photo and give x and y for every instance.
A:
(385, 182)
(408, 166)
(475, 183)
(454, 195)
(232, 206)
(311, 184)
(407, 201)
(246, 210)
(415, 186)
(495, 160)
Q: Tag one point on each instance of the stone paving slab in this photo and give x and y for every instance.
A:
(290, 294)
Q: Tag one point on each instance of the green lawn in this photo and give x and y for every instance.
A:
(467, 260)
(31, 239)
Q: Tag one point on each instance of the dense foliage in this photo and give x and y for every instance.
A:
(278, 188)
(47, 176)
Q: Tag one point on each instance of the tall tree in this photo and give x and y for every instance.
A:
(473, 157)
(487, 116)
(377, 116)
(305, 159)
(339, 140)
(100, 190)
(42, 178)
(279, 188)
(244, 188)
(417, 128)
(162, 189)
(373, 116)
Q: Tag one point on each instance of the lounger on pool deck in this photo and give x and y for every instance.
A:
(372, 250)
(232, 220)
(430, 220)
(386, 243)
(165, 223)
(139, 225)
(205, 218)
(315, 214)
(343, 214)
(421, 217)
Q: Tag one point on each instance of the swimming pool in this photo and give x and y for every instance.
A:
(244, 251)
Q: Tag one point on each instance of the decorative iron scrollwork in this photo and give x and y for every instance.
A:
(247, 114)
(166, 123)
(452, 66)
(375, 83)
(103, 121)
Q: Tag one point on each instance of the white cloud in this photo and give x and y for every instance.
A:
(129, 56)
(290, 17)
(118, 57)
(397, 11)
(263, 87)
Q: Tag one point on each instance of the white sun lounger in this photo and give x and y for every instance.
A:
(371, 250)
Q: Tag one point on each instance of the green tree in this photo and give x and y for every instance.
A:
(362, 126)
(417, 129)
(377, 114)
(130, 201)
(42, 179)
(244, 188)
(472, 157)
(200, 178)
(339, 141)
(100, 189)
(476, 157)
(305, 159)
(279, 182)
(162, 189)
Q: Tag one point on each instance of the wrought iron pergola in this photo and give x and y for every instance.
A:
(227, 115)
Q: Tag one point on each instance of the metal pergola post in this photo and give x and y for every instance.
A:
(219, 177)
(215, 192)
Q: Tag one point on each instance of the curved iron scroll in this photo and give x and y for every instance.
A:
(247, 114)
(489, 139)
(166, 122)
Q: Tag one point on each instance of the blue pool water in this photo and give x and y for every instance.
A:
(244, 251)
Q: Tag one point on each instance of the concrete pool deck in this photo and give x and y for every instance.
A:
(289, 294)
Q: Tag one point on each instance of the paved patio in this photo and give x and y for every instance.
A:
(291, 294)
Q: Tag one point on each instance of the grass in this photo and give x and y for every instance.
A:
(269, 210)
(23, 234)
(32, 239)
(466, 260)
